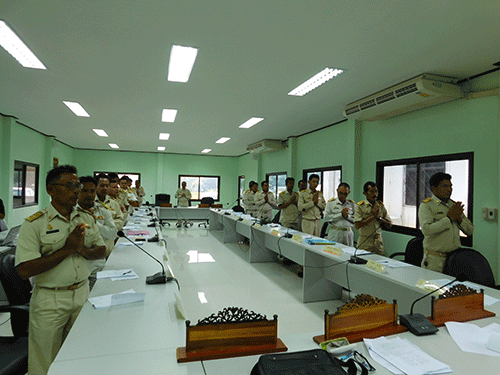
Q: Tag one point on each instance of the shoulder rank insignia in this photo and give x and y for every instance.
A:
(34, 216)
(360, 203)
(331, 199)
(350, 200)
(427, 200)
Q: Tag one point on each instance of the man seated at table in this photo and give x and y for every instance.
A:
(369, 218)
(265, 202)
(441, 220)
(55, 246)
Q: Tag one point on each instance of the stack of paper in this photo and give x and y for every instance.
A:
(116, 275)
(473, 339)
(129, 296)
(402, 357)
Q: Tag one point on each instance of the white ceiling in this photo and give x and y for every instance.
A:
(112, 57)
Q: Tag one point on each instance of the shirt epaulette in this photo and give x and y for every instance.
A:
(427, 200)
(303, 190)
(360, 203)
(246, 191)
(283, 192)
(80, 209)
(350, 200)
(331, 199)
(35, 216)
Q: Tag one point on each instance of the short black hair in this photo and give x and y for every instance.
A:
(264, 182)
(304, 181)
(367, 185)
(252, 183)
(344, 184)
(113, 177)
(314, 175)
(124, 178)
(436, 178)
(101, 175)
(288, 179)
(55, 174)
(85, 179)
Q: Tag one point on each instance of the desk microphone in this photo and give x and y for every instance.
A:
(157, 278)
(355, 259)
(417, 323)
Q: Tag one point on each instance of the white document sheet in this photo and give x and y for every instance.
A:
(473, 339)
(391, 263)
(129, 296)
(404, 357)
(350, 250)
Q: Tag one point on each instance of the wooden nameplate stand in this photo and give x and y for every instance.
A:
(203, 205)
(166, 205)
(217, 205)
(365, 322)
(458, 309)
(216, 340)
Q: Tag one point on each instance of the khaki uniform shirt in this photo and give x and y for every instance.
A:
(333, 213)
(45, 232)
(139, 193)
(370, 236)
(116, 211)
(183, 201)
(265, 209)
(306, 205)
(440, 233)
(290, 214)
(249, 202)
(106, 225)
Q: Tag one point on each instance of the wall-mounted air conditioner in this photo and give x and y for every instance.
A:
(266, 145)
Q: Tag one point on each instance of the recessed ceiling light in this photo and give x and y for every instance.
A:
(206, 150)
(77, 109)
(113, 145)
(316, 81)
(15, 46)
(251, 122)
(223, 140)
(161, 148)
(181, 63)
(100, 132)
(168, 115)
(164, 136)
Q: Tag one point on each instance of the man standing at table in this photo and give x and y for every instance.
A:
(441, 220)
(339, 213)
(265, 201)
(287, 203)
(183, 196)
(311, 204)
(103, 199)
(369, 218)
(55, 246)
(249, 199)
(139, 192)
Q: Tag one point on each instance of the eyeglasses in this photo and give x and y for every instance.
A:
(359, 359)
(71, 185)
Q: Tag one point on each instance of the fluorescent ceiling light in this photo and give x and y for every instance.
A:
(316, 81)
(251, 122)
(20, 51)
(164, 136)
(223, 140)
(168, 115)
(113, 145)
(206, 150)
(161, 148)
(77, 109)
(181, 63)
(100, 132)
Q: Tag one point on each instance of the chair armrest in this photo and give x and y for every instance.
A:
(396, 254)
(15, 308)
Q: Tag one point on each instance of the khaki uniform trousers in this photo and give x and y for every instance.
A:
(433, 261)
(311, 227)
(52, 314)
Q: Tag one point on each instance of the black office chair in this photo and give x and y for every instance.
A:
(324, 230)
(414, 252)
(207, 200)
(14, 349)
(472, 264)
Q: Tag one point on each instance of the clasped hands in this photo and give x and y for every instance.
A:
(76, 243)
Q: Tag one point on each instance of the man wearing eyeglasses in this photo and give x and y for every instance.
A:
(56, 246)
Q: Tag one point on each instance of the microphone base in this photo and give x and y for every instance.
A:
(153, 239)
(356, 260)
(152, 225)
(157, 278)
(417, 324)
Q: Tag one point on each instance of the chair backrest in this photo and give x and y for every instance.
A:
(414, 252)
(162, 198)
(472, 264)
(323, 230)
(207, 200)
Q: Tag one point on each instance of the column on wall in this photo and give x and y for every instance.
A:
(357, 178)
(6, 162)
(292, 157)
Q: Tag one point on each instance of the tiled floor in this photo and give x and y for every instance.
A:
(214, 275)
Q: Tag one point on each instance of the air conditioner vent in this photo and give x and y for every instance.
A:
(385, 98)
(406, 90)
(368, 104)
(351, 110)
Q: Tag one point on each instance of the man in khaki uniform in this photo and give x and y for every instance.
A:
(249, 199)
(441, 220)
(311, 204)
(183, 196)
(139, 192)
(287, 203)
(265, 201)
(339, 213)
(369, 218)
(55, 246)
(102, 199)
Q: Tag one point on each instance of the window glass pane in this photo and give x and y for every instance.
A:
(192, 184)
(209, 187)
(18, 181)
(400, 191)
(30, 184)
(331, 179)
(281, 184)
(241, 183)
(426, 172)
(272, 179)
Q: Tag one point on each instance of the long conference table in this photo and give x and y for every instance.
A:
(142, 338)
